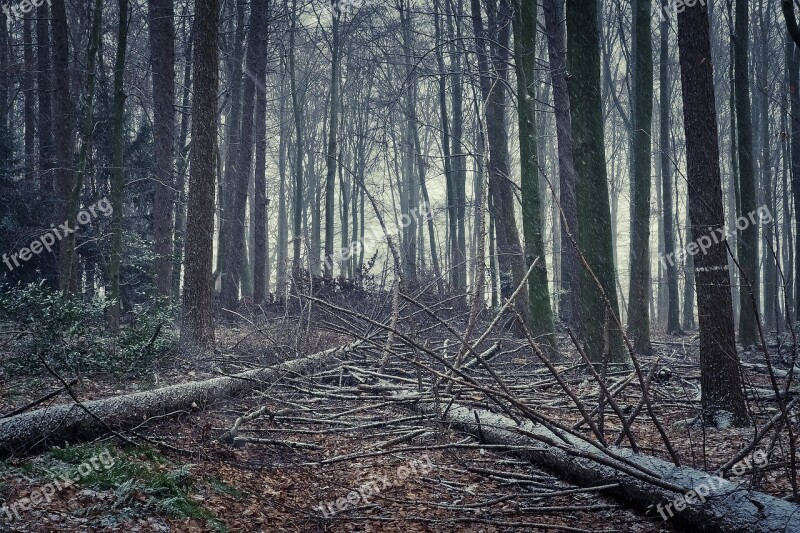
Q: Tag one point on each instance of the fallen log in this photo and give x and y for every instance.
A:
(28, 432)
(726, 506)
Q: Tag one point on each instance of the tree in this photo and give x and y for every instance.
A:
(331, 150)
(198, 328)
(62, 133)
(260, 201)
(229, 256)
(673, 304)
(29, 93)
(298, 160)
(117, 163)
(720, 379)
(747, 244)
(569, 306)
(492, 48)
(541, 316)
(44, 100)
(598, 286)
(161, 14)
(642, 115)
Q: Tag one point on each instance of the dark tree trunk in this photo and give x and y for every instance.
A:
(494, 76)
(721, 383)
(747, 244)
(541, 316)
(198, 328)
(260, 201)
(673, 306)
(161, 14)
(29, 93)
(569, 306)
(44, 93)
(594, 224)
(62, 131)
(638, 308)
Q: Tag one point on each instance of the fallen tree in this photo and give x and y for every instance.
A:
(79, 422)
(640, 480)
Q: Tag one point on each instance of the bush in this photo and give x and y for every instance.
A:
(70, 333)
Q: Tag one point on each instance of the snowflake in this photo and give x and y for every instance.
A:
(344, 7)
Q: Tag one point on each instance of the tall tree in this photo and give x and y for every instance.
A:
(598, 303)
(198, 328)
(260, 201)
(161, 15)
(673, 305)
(721, 383)
(770, 267)
(642, 115)
(747, 244)
(541, 315)
(569, 305)
(298, 158)
(44, 100)
(229, 262)
(29, 94)
(331, 150)
(62, 132)
(233, 227)
(492, 49)
(117, 162)
(793, 65)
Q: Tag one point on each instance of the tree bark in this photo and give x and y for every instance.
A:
(594, 223)
(569, 304)
(161, 14)
(260, 201)
(540, 317)
(57, 425)
(642, 115)
(673, 305)
(198, 328)
(721, 383)
(728, 508)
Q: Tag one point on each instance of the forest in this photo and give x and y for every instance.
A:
(401, 265)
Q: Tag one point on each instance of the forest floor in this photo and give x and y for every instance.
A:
(329, 452)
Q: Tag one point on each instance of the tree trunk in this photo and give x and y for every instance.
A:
(594, 224)
(117, 168)
(29, 94)
(45, 101)
(728, 509)
(62, 132)
(642, 115)
(161, 14)
(57, 425)
(331, 151)
(298, 158)
(747, 243)
(493, 79)
(673, 306)
(228, 259)
(198, 328)
(721, 383)
(569, 304)
(540, 319)
(260, 201)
